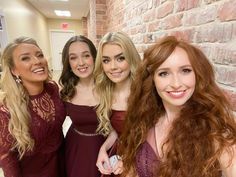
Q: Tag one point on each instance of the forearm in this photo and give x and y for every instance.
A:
(110, 140)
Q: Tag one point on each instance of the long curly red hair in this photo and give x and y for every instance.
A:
(205, 127)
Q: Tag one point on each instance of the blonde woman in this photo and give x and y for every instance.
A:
(31, 113)
(115, 66)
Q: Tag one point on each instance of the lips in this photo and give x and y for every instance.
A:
(176, 94)
(38, 70)
(116, 74)
(84, 69)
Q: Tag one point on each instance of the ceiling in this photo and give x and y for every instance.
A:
(78, 8)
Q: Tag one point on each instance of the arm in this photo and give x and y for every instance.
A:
(228, 162)
(8, 159)
(103, 156)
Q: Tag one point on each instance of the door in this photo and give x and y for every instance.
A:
(58, 40)
(3, 36)
(3, 32)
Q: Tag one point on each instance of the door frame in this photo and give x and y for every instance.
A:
(50, 39)
(3, 39)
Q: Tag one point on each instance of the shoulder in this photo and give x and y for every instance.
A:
(4, 116)
(3, 109)
(52, 87)
(228, 161)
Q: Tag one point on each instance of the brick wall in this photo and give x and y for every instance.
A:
(209, 24)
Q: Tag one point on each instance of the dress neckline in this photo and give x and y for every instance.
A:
(90, 106)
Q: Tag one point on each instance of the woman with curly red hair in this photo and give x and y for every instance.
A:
(179, 122)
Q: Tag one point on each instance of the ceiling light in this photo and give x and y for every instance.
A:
(64, 13)
(58, 0)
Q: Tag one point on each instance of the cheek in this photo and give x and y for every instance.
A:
(90, 61)
(160, 83)
(105, 67)
(72, 64)
(190, 81)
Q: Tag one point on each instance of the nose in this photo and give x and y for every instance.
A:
(36, 60)
(80, 61)
(113, 64)
(175, 81)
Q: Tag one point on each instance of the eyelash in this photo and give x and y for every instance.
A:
(187, 70)
(163, 74)
(184, 71)
(121, 58)
(105, 61)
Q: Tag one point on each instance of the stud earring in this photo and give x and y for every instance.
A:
(18, 80)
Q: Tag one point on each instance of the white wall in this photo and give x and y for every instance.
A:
(22, 19)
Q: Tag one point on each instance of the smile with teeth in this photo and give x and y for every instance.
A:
(177, 94)
(82, 69)
(38, 70)
(116, 74)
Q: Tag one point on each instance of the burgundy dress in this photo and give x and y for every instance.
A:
(147, 159)
(82, 142)
(47, 115)
(117, 122)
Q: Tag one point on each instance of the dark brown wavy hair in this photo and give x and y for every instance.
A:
(68, 80)
(205, 127)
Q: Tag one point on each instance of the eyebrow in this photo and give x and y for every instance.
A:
(169, 68)
(116, 56)
(84, 52)
(37, 52)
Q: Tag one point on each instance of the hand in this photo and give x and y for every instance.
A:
(118, 168)
(103, 162)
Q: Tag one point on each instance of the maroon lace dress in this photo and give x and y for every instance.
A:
(82, 142)
(147, 157)
(47, 115)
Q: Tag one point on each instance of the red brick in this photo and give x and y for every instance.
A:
(224, 54)
(201, 16)
(172, 21)
(182, 5)
(214, 33)
(231, 95)
(226, 75)
(227, 12)
(186, 35)
(164, 10)
(154, 26)
(149, 15)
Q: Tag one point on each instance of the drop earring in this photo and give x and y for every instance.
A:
(18, 80)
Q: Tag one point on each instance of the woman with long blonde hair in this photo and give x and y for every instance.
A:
(115, 67)
(31, 113)
(179, 122)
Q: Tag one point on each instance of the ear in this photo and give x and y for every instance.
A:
(14, 71)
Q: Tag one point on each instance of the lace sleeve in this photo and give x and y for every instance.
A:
(8, 159)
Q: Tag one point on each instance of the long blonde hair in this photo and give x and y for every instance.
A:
(15, 98)
(104, 86)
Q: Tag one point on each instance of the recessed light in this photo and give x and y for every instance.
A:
(58, 0)
(64, 13)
